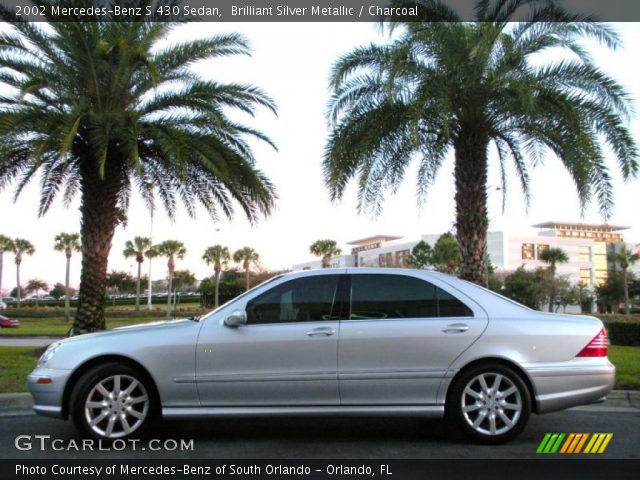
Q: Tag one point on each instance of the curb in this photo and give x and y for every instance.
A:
(16, 401)
(617, 399)
(623, 398)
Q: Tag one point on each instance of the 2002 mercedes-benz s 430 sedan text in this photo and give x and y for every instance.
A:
(334, 342)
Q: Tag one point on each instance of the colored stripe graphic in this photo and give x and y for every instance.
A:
(556, 445)
(543, 443)
(573, 443)
(567, 443)
(603, 447)
(583, 439)
(598, 443)
(550, 443)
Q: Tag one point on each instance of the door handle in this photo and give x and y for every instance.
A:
(456, 328)
(321, 332)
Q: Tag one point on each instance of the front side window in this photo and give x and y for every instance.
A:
(399, 296)
(299, 300)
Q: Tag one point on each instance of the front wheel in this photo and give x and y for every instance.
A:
(112, 401)
(490, 403)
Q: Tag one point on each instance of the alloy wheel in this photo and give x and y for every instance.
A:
(491, 404)
(116, 406)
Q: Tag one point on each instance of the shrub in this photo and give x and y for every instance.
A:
(624, 332)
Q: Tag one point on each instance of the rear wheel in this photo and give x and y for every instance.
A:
(112, 401)
(490, 403)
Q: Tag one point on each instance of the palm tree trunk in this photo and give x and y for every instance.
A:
(217, 290)
(99, 213)
(18, 289)
(138, 287)
(552, 290)
(169, 287)
(471, 204)
(552, 297)
(66, 290)
(627, 310)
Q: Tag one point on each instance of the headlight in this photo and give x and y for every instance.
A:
(49, 353)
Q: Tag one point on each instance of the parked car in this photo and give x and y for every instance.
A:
(6, 322)
(2, 305)
(334, 342)
(8, 299)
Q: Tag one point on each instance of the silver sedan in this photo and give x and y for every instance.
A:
(334, 342)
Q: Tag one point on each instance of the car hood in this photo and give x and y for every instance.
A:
(137, 329)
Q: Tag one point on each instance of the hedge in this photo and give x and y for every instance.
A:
(624, 332)
(159, 301)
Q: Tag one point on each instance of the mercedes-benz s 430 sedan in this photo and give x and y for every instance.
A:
(334, 342)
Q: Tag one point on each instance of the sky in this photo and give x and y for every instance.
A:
(291, 62)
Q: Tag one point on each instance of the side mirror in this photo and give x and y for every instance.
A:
(237, 318)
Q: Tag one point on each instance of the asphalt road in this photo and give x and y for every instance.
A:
(331, 438)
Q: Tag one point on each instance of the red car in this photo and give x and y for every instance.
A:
(6, 322)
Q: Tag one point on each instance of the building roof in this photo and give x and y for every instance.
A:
(581, 226)
(373, 239)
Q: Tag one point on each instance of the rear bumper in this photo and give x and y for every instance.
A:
(570, 384)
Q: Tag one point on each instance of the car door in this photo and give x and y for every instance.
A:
(286, 354)
(401, 335)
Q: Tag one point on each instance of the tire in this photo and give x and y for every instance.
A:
(482, 414)
(112, 401)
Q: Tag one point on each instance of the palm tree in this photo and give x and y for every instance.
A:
(137, 248)
(6, 245)
(21, 247)
(35, 285)
(218, 256)
(325, 249)
(184, 279)
(172, 249)
(108, 107)
(246, 256)
(67, 243)
(444, 85)
(553, 256)
(625, 258)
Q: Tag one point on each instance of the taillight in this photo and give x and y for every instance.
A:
(596, 347)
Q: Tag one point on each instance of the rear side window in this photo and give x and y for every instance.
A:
(399, 296)
(450, 306)
(301, 300)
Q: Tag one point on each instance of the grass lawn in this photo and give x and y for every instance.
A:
(627, 362)
(17, 362)
(56, 326)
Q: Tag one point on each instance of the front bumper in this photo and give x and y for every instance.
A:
(48, 397)
(570, 384)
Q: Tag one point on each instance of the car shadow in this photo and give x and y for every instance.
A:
(310, 429)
